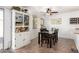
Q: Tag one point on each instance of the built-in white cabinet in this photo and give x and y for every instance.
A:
(20, 29)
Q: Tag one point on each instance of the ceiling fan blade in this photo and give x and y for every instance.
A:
(54, 12)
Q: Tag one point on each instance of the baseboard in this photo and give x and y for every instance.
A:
(65, 38)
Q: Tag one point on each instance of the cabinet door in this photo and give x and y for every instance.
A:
(26, 20)
(26, 38)
(18, 19)
(18, 41)
(22, 39)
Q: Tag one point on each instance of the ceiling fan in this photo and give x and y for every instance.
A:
(50, 12)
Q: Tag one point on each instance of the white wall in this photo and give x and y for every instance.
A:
(7, 28)
(65, 29)
(1, 28)
(33, 32)
(1, 23)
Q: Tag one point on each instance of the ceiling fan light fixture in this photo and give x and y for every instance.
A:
(49, 11)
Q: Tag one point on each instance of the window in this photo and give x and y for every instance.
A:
(74, 20)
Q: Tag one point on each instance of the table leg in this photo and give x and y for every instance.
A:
(50, 43)
(38, 38)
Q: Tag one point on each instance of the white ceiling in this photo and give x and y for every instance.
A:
(54, 8)
(38, 9)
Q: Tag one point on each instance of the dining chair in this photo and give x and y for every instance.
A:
(55, 36)
(44, 39)
(44, 30)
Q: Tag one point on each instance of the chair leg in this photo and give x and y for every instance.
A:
(56, 39)
(53, 41)
(38, 38)
(41, 42)
(48, 43)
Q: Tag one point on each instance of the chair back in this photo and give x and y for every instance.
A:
(56, 31)
(44, 30)
(44, 35)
